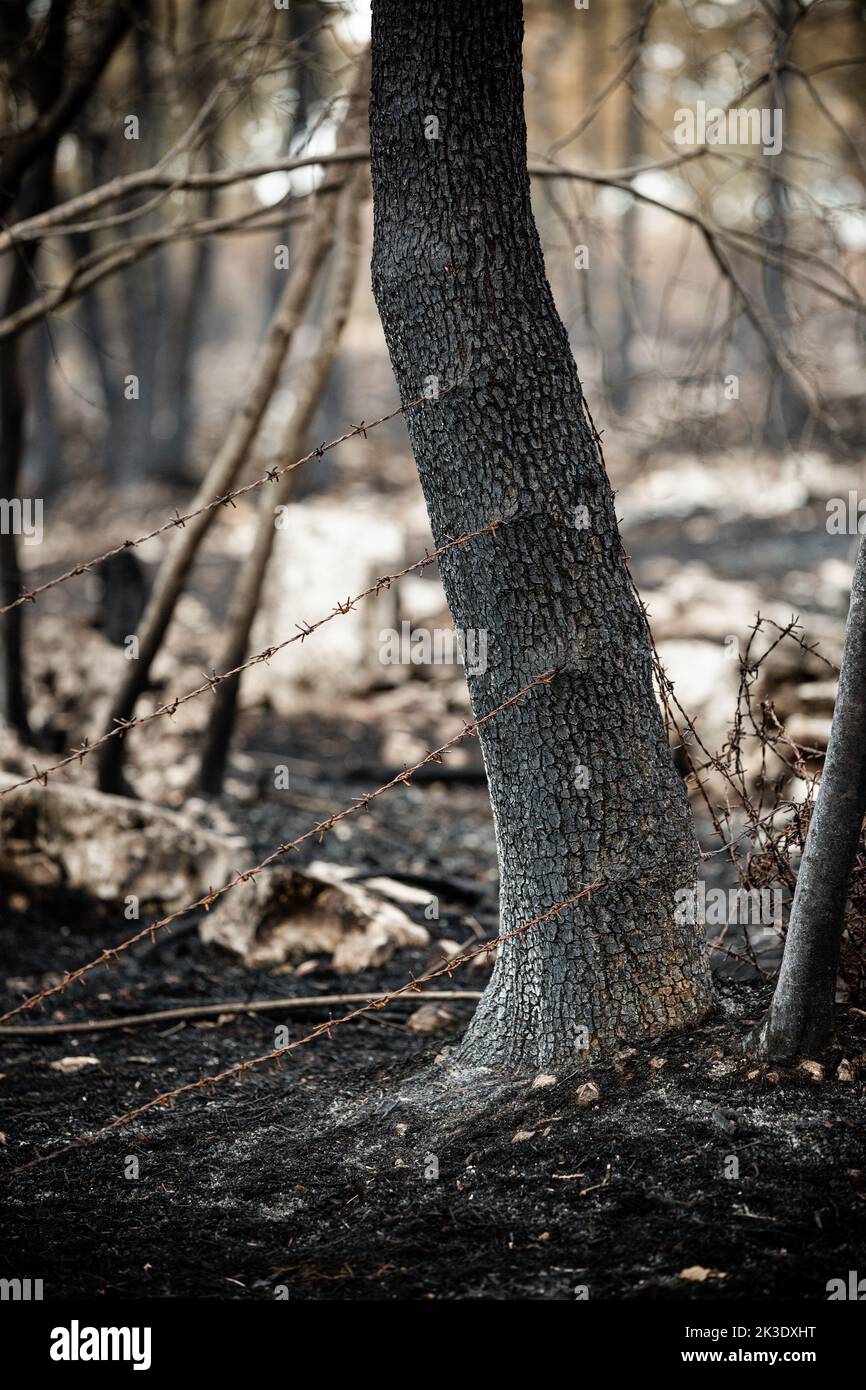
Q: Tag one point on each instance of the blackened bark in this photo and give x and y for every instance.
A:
(300, 26)
(460, 283)
(100, 331)
(43, 455)
(147, 280)
(788, 411)
(800, 1020)
(28, 172)
(13, 700)
(189, 277)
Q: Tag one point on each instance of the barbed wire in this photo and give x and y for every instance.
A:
(680, 723)
(224, 500)
(319, 830)
(323, 1029)
(211, 682)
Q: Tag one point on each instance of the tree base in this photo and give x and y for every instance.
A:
(514, 1035)
(787, 1036)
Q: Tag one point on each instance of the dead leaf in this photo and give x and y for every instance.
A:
(69, 1064)
(658, 1062)
(587, 1093)
(696, 1274)
(814, 1070)
(522, 1135)
(543, 1079)
(430, 1018)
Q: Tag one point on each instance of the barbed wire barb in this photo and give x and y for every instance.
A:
(271, 475)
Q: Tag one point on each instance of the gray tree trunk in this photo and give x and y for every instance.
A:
(582, 783)
(190, 280)
(800, 1020)
(787, 410)
(34, 185)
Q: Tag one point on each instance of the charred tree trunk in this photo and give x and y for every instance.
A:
(26, 181)
(41, 137)
(13, 700)
(800, 1019)
(300, 26)
(787, 410)
(100, 330)
(582, 783)
(190, 276)
(147, 280)
(33, 180)
(43, 467)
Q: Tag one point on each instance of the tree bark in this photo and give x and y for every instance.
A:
(788, 411)
(188, 273)
(13, 409)
(582, 783)
(28, 173)
(102, 325)
(299, 25)
(147, 284)
(800, 1019)
(43, 454)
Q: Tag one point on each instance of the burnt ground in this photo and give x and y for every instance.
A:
(313, 1183)
(313, 1180)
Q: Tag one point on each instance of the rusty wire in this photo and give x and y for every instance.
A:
(321, 1029)
(169, 707)
(320, 829)
(769, 851)
(226, 499)
(362, 803)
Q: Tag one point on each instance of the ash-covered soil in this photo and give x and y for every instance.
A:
(330, 1180)
(320, 1181)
